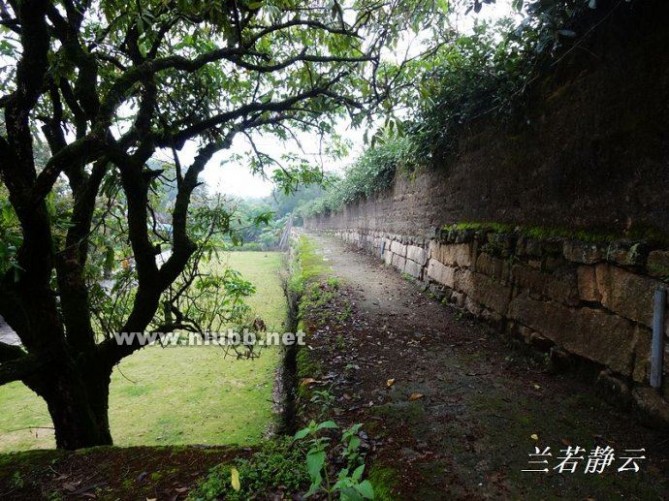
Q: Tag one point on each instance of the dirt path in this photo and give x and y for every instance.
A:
(466, 409)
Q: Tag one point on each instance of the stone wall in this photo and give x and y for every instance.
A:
(570, 298)
(590, 152)
(590, 157)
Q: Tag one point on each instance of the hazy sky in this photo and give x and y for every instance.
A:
(234, 178)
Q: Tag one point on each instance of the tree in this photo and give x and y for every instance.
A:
(106, 84)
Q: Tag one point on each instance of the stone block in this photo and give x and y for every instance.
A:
(626, 293)
(440, 273)
(417, 254)
(398, 248)
(590, 333)
(581, 252)
(452, 254)
(627, 253)
(587, 284)
(643, 337)
(398, 262)
(493, 267)
(654, 408)
(561, 287)
(483, 290)
(413, 268)
(657, 264)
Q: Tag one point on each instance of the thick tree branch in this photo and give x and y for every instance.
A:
(10, 352)
(71, 263)
(178, 139)
(306, 23)
(19, 369)
(82, 151)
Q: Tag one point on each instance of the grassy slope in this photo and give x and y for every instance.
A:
(176, 395)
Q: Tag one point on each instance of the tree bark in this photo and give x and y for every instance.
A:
(78, 402)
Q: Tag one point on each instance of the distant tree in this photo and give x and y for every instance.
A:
(109, 83)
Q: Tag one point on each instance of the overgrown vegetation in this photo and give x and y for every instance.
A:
(316, 461)
(258, 224)
(636, 233)
(487, 72)
(276, 467)
(372, 173)
(108, 88)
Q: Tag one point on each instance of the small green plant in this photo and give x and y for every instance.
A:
(323, 399)
(347, 482)
(17, 481)
(352, 442)
(350, 369)
(278, 466)
(345, 313)
(334, 282)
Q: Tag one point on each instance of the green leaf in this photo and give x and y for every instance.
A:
(354, 444)
(301, 434)
(365, 489)
(315, 462)
(357, 474)
(327, 425)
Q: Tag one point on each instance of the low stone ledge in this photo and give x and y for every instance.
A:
(484, 290)
(658, 264)
(625, 293)
(441, 273)
(593, 334)
(451, 254)
(586, 300)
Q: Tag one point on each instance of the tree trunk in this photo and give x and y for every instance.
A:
(78, 402)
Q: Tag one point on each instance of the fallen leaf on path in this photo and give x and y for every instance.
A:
(71, 486)
(534, 436)
(307, 380)
(390, 382)
(416, 396)
(565, 441)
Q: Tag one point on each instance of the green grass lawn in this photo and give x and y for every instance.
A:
(178, 395)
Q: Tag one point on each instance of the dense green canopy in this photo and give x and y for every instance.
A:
(91, 91)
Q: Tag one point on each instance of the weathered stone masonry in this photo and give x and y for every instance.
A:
(592, 155)
(589, 300)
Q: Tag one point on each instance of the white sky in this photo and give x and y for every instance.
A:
(235, 178)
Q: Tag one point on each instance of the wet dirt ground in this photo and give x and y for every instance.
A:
(453, 409)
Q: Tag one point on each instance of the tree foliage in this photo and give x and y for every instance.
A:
(484, 73)
(108, 85)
